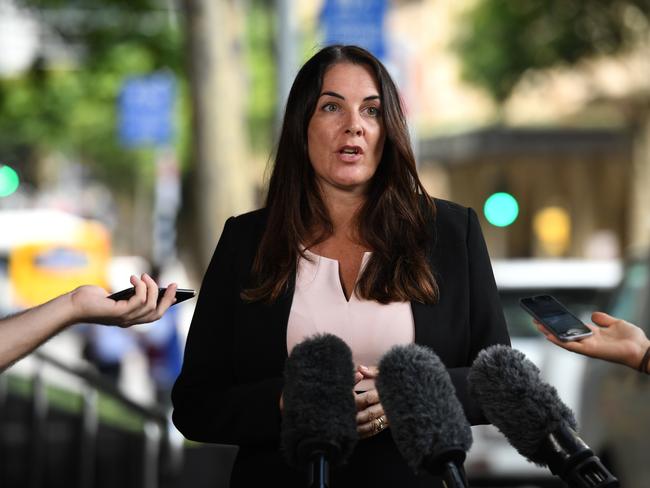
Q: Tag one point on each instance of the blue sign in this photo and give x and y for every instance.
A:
(359, 22)
(146, 109)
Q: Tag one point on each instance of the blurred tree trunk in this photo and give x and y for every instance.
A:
(640, 197)
(219, 183)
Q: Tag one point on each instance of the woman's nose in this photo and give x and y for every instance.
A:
(354, 127)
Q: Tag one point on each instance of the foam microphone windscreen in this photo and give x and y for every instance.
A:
(515, 399)
(424, 414)
(319, 415)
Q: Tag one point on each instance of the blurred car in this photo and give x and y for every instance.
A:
(583, 286)
(46, 252)
(615, 407)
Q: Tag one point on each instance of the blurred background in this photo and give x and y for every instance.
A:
(131, 129)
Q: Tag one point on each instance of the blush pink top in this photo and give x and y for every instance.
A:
(368, 327)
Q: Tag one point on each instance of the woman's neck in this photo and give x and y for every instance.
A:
(342, 209)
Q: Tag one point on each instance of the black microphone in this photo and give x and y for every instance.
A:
(531, 415)
(319, 425)
(425, 416)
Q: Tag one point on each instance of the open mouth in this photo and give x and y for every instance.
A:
(351, 150)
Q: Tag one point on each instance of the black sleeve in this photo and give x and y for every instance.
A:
(210, 405)
(486, 321)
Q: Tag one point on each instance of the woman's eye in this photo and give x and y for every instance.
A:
(329, 107)
(373, 111)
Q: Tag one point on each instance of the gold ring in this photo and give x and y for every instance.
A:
(379, 424)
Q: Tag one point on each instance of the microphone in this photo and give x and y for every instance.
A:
(319, 416)
(426, 418)
(531, 415)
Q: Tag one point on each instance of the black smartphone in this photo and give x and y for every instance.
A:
(182, 294)
(555, 317)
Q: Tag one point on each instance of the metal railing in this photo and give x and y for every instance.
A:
(160, 457)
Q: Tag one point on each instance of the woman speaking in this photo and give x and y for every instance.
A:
(348, 243)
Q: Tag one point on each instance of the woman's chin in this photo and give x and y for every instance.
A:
(352, 181)
(352, 186)
(349, 181)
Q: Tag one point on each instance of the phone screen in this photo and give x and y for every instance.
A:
(555, 317)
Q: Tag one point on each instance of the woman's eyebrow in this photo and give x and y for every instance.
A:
(337, 95)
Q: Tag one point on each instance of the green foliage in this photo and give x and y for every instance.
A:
(70, 105)
(260, 60)
(502, 39)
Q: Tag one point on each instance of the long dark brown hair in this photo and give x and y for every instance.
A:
(395, 221)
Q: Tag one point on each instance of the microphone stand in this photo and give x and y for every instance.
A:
(317, 455)
(454, 476)
(574, 462)
(448, 464)
(319, 471)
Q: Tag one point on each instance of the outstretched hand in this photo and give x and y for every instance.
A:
(613, 339)
(91, 304)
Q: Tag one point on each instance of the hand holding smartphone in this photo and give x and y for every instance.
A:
(182, 294)
(555, 317)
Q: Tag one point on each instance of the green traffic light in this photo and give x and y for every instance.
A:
(9, 181)
(501, 209)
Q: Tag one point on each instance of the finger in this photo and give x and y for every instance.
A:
(136, 307)
(372, 428)
(152, 292)
(167, 300)
(140, 295)
(368, 371)
(602, 319)
(370, 414)
(357, 377)
(366, 399)
(151, 310)
(365, 430)
(126, 310)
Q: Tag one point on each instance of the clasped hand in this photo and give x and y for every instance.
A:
(371, 418)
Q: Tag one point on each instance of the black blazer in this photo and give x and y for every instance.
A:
(229, 388)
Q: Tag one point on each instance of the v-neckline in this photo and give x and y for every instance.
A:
(339, 280)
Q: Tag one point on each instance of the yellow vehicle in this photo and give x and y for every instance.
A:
(47, 253)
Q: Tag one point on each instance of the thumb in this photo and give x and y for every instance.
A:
(602, 319)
